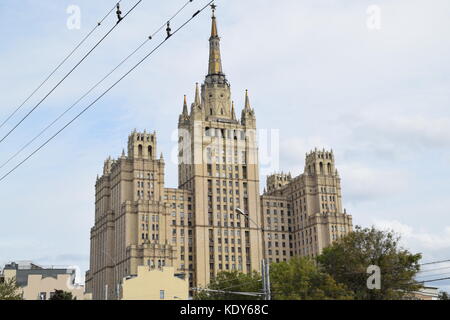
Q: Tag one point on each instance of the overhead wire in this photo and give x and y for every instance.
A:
(94, 86)
(88, 35)
(106, 91)
(69, 73)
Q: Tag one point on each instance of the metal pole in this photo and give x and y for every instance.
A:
(263, 278)
(269, 293)
(115, 272)
(265, 270)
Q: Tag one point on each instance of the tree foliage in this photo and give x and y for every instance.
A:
(9, 290)
(233, 281)
(443, 296)
(300, 279)
(347, 261)
(62, 295)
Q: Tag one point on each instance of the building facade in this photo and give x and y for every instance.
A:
(303, 215)
(39, 283)
(195, 228)
(155, 284)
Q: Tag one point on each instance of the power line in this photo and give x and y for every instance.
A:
(95, 86)
(395, 268)
(252, 294)
(59, 66)
(434, 275)
(70, 72)
(105, 92)
(434, 280)
(436, 269)
(434, 262)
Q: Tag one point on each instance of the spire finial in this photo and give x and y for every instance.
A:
(185, 108)
(233, 113)
(213, 8)
(197, 94)
(247, 100)
(214, 32)
(215, 61)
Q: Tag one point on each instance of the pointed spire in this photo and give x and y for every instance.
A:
(197, 95)
(233, 113)
(215, 61)
(214, 32)
(247, 101)
(185, 107)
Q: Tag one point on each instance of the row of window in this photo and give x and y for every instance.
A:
(143, 175)
(225, 133)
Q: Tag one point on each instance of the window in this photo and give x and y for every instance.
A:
(161, 294)
(150, 151)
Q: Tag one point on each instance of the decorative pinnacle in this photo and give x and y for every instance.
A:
(185, 108)
(247, 100)
(197, 94)
(233, 113)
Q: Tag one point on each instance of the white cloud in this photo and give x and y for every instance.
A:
(362, 182)
(417, 238)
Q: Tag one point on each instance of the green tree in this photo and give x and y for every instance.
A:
(347, 260)
(62, 295)
(9, 290)
(232, 282)
(300, 279)
(443, 296)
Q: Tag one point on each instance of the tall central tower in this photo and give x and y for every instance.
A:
(218, 163)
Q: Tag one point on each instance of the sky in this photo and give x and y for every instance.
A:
(368, 79)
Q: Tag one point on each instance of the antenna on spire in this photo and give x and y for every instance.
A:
(213, 8)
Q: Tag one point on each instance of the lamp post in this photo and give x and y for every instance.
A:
(265, 268)
(115, 276)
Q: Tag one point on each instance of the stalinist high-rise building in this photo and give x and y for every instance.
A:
(195, 228)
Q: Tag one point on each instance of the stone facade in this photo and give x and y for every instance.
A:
(303, 215)
(195, 228)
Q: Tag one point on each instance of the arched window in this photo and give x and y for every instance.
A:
(140, 150)
(329, 168)
(321, 167)
(150, 151)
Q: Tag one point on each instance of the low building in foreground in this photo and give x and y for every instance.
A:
(426, 293)
(156, 284)
(39, 283)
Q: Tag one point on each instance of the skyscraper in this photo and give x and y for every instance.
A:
(195, 227)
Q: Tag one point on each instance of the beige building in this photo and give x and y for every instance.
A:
(195, 228)
(303, 215)
(155, 284)
(39, 283)
(426, 293)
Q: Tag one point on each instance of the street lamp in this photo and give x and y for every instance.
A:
(115, 276)
(264, 264)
